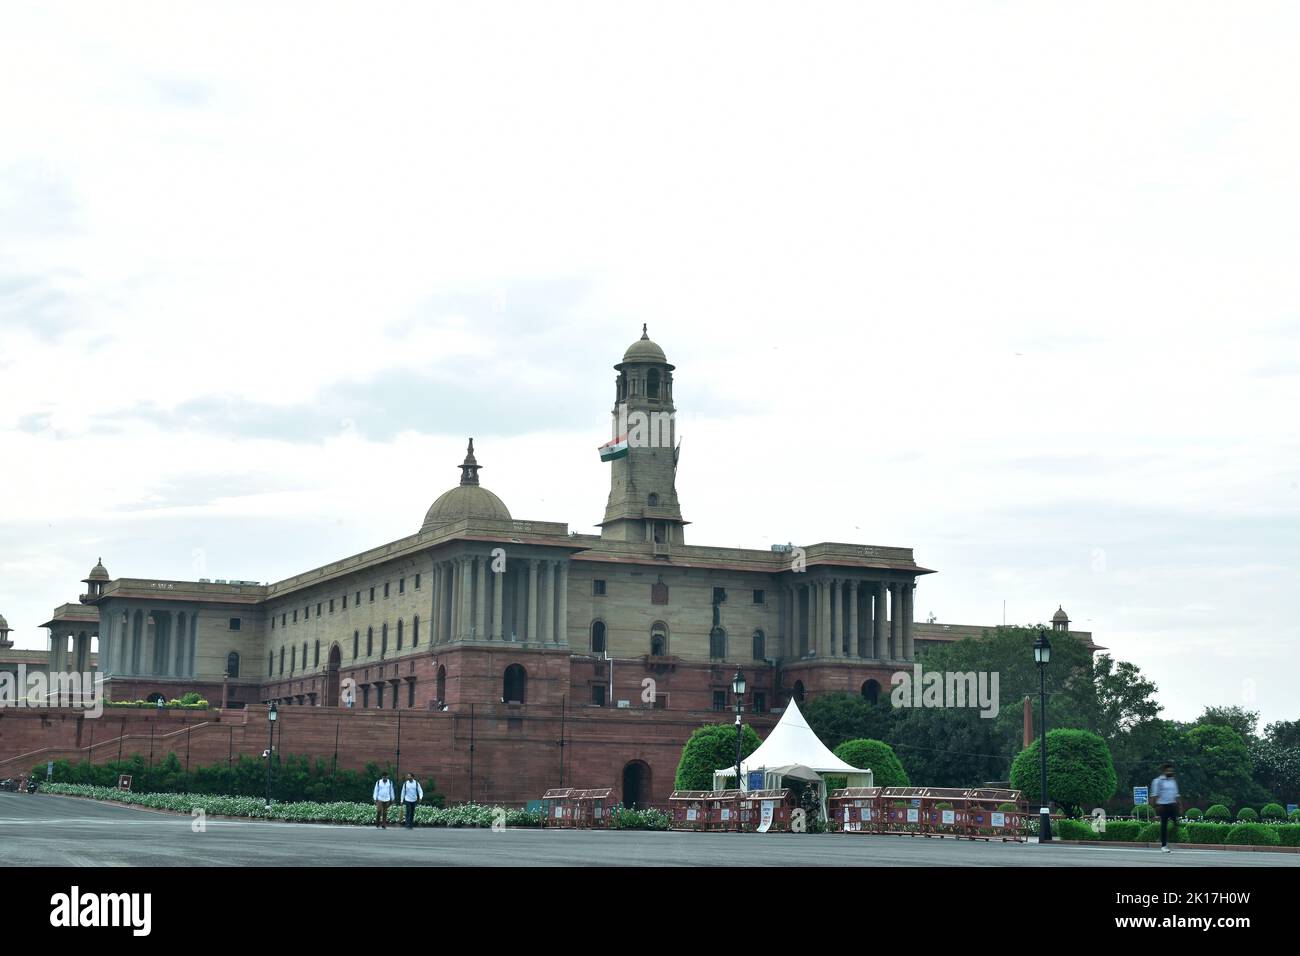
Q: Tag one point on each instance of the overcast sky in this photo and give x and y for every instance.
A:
(1014, 285)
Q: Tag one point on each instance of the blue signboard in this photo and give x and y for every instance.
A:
(755, 780)
(1139, 796)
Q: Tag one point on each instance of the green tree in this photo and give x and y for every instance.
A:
(1079, 770)
(838, 717)
(1215, 767)
(1239, 719)
(876, 756)
(711, 748)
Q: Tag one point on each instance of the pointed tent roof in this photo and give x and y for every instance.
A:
(793, 743)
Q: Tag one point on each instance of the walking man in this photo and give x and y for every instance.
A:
(412, 793)
(383, 797)
(1164, 793)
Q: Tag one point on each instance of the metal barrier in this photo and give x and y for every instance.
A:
(690, 809)
(558, 808)
(730, 811)
(972, 813)
(591, 808)
(750, 810)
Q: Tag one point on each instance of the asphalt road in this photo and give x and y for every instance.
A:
(48, 830)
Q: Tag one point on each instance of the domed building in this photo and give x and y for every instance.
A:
(529, 639)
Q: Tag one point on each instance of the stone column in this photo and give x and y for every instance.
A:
(855, 646)
(545, 601)
(453, 600)
(466, 597)
(879, 618)
(498, 579)
(824, 618)
(481, 570)
(174, 636)
(194, 642)
(895, 622)
(837, 618)
(532, 600)
(149, 638)
(909, 597)
(562, 626)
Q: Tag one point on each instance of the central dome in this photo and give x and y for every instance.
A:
(467, 500)
(645, 350)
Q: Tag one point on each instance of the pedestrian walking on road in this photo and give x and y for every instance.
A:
(1164, 794)
(412, 793)
(383, 797)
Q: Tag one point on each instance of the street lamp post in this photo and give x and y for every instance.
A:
(1043, 654)
(738, 688)
(270, 717)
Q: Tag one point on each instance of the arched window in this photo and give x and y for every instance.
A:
(315, 658)
(659, 639)
(282, 660)
(760, 646)
(441, 684)
(652, 383)
(370, 642)
(293, 659)
(356, 644)
(798, 691)
(652, 500)
(598, 637)
(232, 664)
(399, 634)
(515, 685)
(871, 692)
(270, 663)
(304, 655)
(718, 644)
(415, 629)
(383, 639)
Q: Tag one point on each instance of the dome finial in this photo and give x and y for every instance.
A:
(645, 330)
(469, 467)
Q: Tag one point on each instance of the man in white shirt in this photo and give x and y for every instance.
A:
(412, 793)
(383, 797)
(1164, 794)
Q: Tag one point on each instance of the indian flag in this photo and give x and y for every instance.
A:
(613, 450)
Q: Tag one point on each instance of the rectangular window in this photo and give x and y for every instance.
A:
(282, 620)
(760, 702)
(759, 596)
(719, 700)
(345, 602)
(417, 582)
(410, 693)
(358, 597)
(379, 698)
(661, 702)
(401, 585)
(372, 595)
(236, 623)
(598, 587)
(295, 616)
(598, 694)
(385, 590)
(273, 622)
(331, 605)
(318, 608)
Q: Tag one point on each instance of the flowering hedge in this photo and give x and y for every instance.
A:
(465, 815)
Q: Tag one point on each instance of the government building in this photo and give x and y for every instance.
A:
(631, 636)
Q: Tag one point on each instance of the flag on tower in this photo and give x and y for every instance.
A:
(615, 449)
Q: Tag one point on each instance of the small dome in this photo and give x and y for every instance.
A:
(644, 350)
(469, 499)
(4, 625)
(1060, 617)
(98, 572)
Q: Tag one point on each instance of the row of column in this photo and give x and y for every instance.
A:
(78, 659)
(525, 599)
(848, 618)
(138, 641)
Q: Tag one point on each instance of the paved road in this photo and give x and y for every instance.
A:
(44, 829)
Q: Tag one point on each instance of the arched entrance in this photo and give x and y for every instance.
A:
(871, 692)
(636, 784)
(798, 692)
(332, 678)
(515, 685)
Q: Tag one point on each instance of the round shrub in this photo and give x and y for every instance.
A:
(1218, 812)
(711, 748)
(1272, 811)
(1247, 815)
(876, 756)
(1143, 811)
(1080, 772)
(1122, 831)
(1194, 813)
(1074, 830)
(1288, 834)
(1252, 834)
(1294, 815)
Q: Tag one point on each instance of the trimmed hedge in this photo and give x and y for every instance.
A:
(1124, 831)
(1273, 811)
(876, 756)
(1252, 834)
(465, 815)
(1288, 834)
(625, 818)
(1075, 830)
(1143, 811)
(1195, 813)
(1295, 815)
(1205, 832)
(1080, 772)
(1151, 833)
(711, 748)
(1247, 815)
(1218, 812)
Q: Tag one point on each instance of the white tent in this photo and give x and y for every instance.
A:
(792, 745)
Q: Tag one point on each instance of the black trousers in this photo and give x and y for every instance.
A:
(410, 812)
(1168, 811)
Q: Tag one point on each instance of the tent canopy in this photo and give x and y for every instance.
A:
(792, 743)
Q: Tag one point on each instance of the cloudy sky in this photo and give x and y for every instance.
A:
(1012, 284)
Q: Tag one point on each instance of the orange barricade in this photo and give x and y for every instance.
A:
(971, 813)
